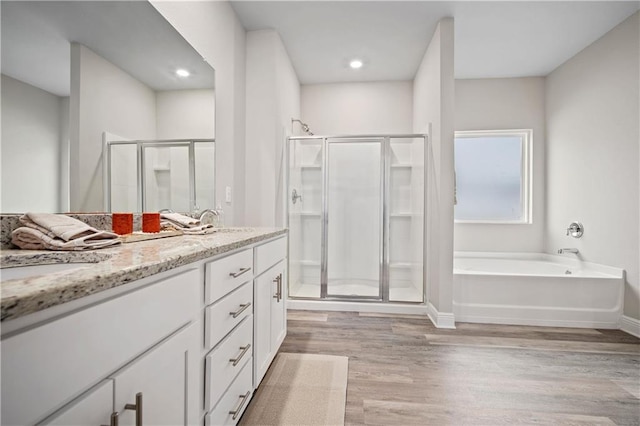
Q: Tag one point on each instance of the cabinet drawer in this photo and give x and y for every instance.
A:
(221, 317)
(236, 399)
(227, 274)
(220, 368)
(66, 356)
(269, 254)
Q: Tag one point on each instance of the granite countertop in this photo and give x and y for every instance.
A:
(111, 267)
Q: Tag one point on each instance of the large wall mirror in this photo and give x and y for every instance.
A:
(77, 72)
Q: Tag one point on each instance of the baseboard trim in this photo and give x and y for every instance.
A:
(333, 305)
(630, 325)
(440, 319)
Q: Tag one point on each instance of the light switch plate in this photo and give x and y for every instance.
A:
(227, 194)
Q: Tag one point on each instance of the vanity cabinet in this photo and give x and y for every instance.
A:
(153, 387)
(270, 311)
(56, 365)
(181, 347)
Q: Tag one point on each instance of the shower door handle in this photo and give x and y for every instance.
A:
(295, 196)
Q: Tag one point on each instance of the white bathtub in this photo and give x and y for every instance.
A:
(536, 289)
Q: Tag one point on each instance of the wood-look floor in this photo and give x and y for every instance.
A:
(404, 371)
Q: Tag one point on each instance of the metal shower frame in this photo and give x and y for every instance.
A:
(385, 166)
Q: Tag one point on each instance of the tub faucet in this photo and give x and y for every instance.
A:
(568, 250)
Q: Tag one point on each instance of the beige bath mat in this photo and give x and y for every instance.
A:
(301, 389)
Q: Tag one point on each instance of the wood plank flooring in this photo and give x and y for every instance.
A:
(404, 371)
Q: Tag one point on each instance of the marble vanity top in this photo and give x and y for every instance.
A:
(111, 267)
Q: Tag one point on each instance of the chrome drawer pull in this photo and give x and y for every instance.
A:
(244, 398)
(240, 272)
(241, 310)
(235, 361)
(137, 407)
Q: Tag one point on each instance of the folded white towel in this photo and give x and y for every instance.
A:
(33, 239)
(194, 230)
(63, 227)
(59, 232)
(180, 220)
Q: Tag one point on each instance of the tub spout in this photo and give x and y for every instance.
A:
(568, 250)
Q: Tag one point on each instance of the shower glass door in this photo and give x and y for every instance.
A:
(354, 218)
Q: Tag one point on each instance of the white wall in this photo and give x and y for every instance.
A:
(357, 108)
(185, 114)
(592, 154)
(496, 104)
(31, 148)
(215, 32)
(433, 104)
(103, 99)
(272, 98)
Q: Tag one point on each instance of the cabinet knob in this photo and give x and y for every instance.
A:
(137, 407)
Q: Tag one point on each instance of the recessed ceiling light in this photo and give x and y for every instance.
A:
(183, 73)
(355, 64)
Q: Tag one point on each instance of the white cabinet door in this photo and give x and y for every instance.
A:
(93, 408)
(160, 378)
(265, 289)
(278, 311)
(269, 316)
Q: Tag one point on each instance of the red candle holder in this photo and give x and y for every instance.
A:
(122, 223)
(151, 222)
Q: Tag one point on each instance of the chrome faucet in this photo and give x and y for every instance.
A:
(165, 211)
(568, 250)
(209, 211)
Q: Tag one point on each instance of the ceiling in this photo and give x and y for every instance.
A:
(492, 39)
(130, 34)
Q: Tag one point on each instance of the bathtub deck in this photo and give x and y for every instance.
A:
(403, 371)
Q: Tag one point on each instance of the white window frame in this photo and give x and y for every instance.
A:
(526, 136)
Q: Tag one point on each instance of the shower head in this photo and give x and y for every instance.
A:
(304, 126)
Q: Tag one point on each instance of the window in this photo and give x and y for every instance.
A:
(493, 176)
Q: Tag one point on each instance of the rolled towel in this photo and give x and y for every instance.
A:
(46, 231)
(180, 220)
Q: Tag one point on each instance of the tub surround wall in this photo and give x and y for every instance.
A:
(592, 110)
(358, 108)
(433, 107)
(495, 104)
(214, 31)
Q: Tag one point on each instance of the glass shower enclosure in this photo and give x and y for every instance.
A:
(356, 217)
(152, 175)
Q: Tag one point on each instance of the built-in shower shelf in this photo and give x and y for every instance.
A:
(401, 166)
(311, 167)
(306, 214)
(402, 215)
(402, 265)
(307, 263)
(162, 169)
